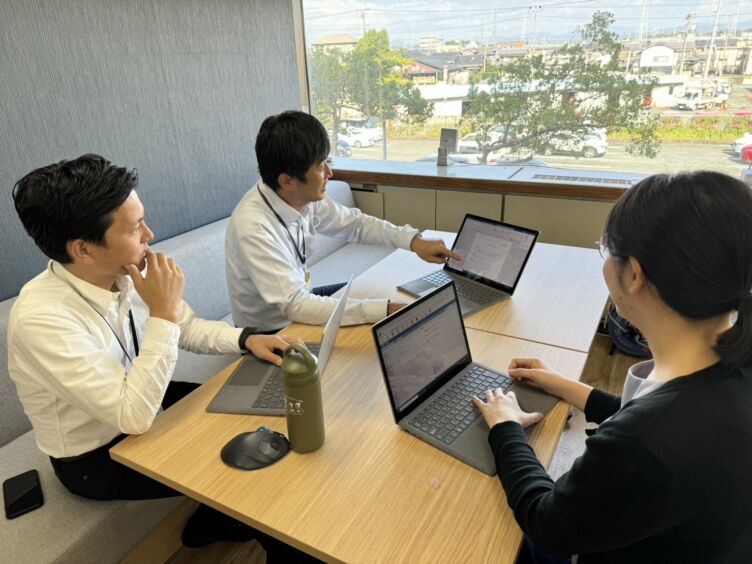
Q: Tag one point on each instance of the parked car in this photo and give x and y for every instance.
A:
(571, 143)
(469, 143)
(742, 142)
(343, 148)
(746, 154)
(370, 125)
(375, 133)
(356, 138)
(599, 132)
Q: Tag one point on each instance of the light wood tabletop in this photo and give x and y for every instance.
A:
(372, 493)
(558, 301)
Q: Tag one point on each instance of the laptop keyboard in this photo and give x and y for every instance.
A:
(272, 394)
(447, 416)
(474, 292)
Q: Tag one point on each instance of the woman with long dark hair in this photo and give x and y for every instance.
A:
(666, 477)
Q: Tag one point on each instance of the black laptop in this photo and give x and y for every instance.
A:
(493, 257)
(430, 377)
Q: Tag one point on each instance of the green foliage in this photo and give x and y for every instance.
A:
(696, 129)
(329, 88)
(577, 85)
(370, 79)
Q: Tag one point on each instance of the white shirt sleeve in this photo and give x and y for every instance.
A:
(58, 351)
(355, 226)
(274, 272)
(206, 337)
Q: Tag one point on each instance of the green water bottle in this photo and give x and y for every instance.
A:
(303, 406)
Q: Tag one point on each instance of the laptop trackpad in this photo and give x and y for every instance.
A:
(416, 288)
(250, 373)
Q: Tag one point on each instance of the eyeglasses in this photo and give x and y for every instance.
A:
(602, 249)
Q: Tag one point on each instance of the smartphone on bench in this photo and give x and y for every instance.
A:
(22, 494)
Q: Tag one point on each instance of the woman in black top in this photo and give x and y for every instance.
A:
(666, 477)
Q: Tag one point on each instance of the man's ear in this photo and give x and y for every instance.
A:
(285, 182)
(79, 251)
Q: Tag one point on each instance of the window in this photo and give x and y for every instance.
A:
(672, 97)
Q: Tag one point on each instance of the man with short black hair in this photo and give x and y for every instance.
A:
(93, 342)
(273, 228)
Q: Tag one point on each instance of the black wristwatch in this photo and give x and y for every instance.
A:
(244, 334)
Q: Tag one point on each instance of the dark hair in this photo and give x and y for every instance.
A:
(290, 142)
(692, 235)
(71, 200)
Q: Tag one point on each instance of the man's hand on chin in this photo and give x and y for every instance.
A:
(432, 250)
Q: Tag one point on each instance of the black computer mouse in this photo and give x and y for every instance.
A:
(258, 449)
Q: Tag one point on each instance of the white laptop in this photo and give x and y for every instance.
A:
(493, 257)
(255, 387)
(431, 377)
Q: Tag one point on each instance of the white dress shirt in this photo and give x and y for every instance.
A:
(75, 382)
(265, 276)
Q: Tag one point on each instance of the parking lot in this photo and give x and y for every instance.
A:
(672, 157)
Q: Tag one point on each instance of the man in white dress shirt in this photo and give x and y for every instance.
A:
(272, 233)
(92, 342)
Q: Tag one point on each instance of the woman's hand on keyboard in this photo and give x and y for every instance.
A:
(500, 408)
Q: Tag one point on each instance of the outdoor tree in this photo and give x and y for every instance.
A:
(329, 87)
(572, 89)
(377, 82)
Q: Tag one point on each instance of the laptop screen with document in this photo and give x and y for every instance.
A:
(421, 347)
(492, 251)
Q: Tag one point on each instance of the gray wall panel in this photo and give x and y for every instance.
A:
(176, 89)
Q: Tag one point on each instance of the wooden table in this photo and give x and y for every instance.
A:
(372, 493)
(558, 301)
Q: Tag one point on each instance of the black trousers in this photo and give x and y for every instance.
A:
(95, 475)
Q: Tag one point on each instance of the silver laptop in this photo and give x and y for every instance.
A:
(430, 377)
(493, 257)
(255, 387)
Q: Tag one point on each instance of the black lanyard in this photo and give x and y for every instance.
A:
(301, 256)
(133, 332)
(130, 316)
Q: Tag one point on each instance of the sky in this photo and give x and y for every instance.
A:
(510, 20)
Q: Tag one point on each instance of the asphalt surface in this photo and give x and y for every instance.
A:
(672, 157)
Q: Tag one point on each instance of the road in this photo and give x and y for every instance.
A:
(672, 157)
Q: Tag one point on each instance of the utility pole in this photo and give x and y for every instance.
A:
(367, 106)
(735, 25)
(523, 34)
(535, 9)
(712, 40)
(690, 29)
(644, 22)
(484, 40)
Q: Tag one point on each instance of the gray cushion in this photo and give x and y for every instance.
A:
(354, 259)
(68, 528)
(201, 255)
(13, 420)
(339, 192)
(199, 368)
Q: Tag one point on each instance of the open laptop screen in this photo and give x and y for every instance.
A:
(332, 328)
(421, 347)
(492, 251)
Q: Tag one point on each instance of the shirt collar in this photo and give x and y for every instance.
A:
(288, 214)
(93, 294)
